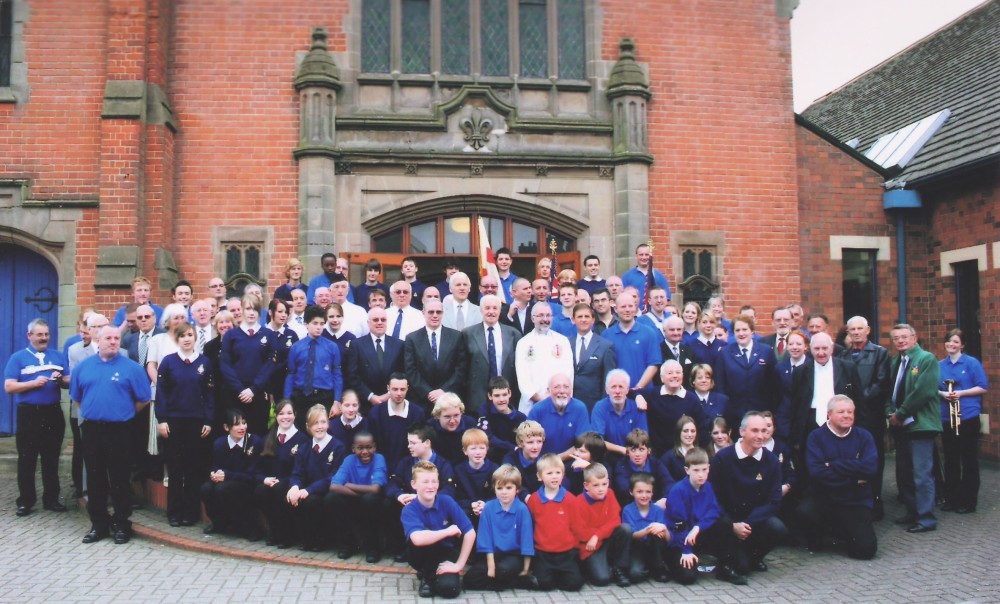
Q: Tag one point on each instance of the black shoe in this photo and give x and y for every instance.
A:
(373, 557)
(619, 578)
(94, 536)
(175, 522)
(962, 510)
(908, 519)
(56, 507)
(400, 557)
(946, 507)
(23, 510)
(122, 536)
(346, 552)
(760, 567)
(661, 576)
(425, 591)
(920, 528)
(210, 529)
(727, 574)
(526, 582)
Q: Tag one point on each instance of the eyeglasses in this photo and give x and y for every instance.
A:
(400, 292)
(377, 320)
(144, 316)
(434, 312)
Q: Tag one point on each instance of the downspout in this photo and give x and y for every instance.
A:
(898, 201)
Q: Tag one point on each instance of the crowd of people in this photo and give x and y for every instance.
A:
(556, 431)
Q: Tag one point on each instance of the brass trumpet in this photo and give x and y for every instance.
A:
(954, 407)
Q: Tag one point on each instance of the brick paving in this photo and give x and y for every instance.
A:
(41, 556)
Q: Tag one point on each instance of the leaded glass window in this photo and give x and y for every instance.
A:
(534, 46)
(416, 42)
(376, 41)
(6, 40)
(455, 37)
(494, 39)
(572, 40)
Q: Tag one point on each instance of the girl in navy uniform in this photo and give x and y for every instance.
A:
(247, 365)
(349, 422)
(228, 493)
(277, 460)
(713, 403)
(185, 404)
(310, 481)
(686, 438)
(284, 337)
(335, 330)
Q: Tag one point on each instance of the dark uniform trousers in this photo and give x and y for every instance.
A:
(107, 452)
(39, 434)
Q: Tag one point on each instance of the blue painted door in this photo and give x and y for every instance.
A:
(29, 289)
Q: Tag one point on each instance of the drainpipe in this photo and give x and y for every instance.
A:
(899, 201)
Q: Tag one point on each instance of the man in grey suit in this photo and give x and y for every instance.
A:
(489, 348)
(459, 311)
(435, 359)
(872, 362)
(145, 320)
(781, 319)
(593, 358)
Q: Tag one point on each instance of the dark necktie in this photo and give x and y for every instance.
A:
(311, 367)
(143, 348)
(491, 352)
(781, 345)
(315, 448)
(250, 332)
(434, 345)
(583, 350)
(379, 352)
(399, 324)
(281, 439)
(746, 355)
(187, 361)
(237, 448)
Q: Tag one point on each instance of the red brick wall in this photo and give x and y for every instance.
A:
(839, 196)
(964, 212)
(722, 134)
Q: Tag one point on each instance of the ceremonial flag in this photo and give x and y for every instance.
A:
(487, 262)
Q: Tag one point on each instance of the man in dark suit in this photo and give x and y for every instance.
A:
(371, 360)
(434, 359)
(145, 320)
(478, 352)
(781, 319)
(598, 359)
(813, 385)
(517, 314)
(875, 387)
(673, 348)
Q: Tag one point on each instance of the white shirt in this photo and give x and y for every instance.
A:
(355, 319)
(412, 320)
(741, 454)
(353, 423)
(497, 340)
(391, 411)
(322, 442)
(536, 359)
(822, 389)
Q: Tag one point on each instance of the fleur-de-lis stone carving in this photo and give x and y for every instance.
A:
(477, 129)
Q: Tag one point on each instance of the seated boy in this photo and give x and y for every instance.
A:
(649, 532)
(433, 525)
(355, 498)
(603, 539)
(499, 420)
(399, 492)
(556, 563)
(473, 477)
(505, 537)
(692, 520)
(638, 459)
(530, 439)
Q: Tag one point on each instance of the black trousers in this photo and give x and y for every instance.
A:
(764, 537)
(613, 554)
(877, 428)
(107, 453)
(717, 540)
(818, 515)
(272, 503)
(301, 403)
(508, 567)
(425, 561)
(39, 434)
(228, 504)
(77, 463)
(312, 526)
(558, 570)
(961, 464)
(646, 557)
(356, 519)
(183, 452)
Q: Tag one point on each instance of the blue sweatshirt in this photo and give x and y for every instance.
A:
(836, 464)
(748, 490)
(690, 508)
(313, 470)
(185, 391)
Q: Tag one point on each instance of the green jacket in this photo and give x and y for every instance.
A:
(920, 400)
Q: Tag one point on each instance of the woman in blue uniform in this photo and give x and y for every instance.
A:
(247, 365)
(277, 459)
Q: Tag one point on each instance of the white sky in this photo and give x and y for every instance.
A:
(833, 41)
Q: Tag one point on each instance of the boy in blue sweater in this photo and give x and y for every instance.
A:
(649, 532)
(473, 477)
(694, 524)
(499, 420)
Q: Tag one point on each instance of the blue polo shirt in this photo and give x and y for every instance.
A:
(634, 518)
(968, 373)
(321, 280)
(560, 430)
(108, 390)
(614, 427)
(506, 285)
(352, 471)
(443, 512)
(636, 349)
(503, 530)
(26, 365)
(637, 279)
